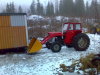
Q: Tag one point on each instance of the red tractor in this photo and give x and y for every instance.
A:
(71, 36)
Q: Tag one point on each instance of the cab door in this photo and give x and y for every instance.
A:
(68, 36)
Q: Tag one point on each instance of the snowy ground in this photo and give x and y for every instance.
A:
(44, 62)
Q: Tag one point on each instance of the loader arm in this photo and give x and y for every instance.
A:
(50, 36)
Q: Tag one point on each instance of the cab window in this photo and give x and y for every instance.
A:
(71, 27)
(78, 27)
(65, 27)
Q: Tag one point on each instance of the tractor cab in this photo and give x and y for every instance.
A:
(70, 30)
(72, 27)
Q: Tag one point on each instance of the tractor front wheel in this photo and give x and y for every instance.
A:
(55, 47)
(81, 42)
(48, 44)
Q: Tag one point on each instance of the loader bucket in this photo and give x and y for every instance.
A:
(34, 46)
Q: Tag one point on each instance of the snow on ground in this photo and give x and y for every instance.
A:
(35, 17)
(44, 62)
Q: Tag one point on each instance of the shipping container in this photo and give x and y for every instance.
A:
(13, 30)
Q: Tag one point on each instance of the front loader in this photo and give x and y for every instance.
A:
(71, 36)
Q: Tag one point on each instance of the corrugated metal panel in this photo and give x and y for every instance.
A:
(18, 20)
(12, 37)
(5, 21)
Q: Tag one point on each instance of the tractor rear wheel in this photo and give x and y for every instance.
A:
(55, 47)
(81, 42)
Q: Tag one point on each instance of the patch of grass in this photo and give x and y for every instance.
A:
(63, 67)
(84, 64)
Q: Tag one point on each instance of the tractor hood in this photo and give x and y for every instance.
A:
(55, 33)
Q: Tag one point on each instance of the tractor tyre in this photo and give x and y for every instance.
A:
(55, 47)
(48, 44)
(81, 42)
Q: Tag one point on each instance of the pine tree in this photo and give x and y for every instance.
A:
(94, 10)
(7, 8)
(20, 10)
(99, 9)
(80, 8)
(73, 9)
(32, 8)
(87, 10)
(61, 6)
(56, 7)
(40, 9)
(50, 10)
(13, 10)
(68, 6)
(10, 8)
